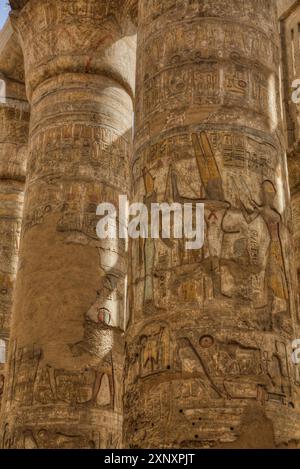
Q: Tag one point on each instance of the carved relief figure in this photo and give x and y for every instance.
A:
(152, 353)
(215, 204)
(276, 276)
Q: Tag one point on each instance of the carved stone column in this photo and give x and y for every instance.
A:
(208, 348)
(14, 120)
(290, 42)
(66, 353)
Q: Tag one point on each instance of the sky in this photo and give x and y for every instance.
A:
(4, 9)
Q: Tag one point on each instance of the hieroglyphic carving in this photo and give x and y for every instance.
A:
(208, 130)
(39, 385)
(209, 329)
(289, 29)
(63, 438)
(14, 123)
(79, 149)
(152, 354)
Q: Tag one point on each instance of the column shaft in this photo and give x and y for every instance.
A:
(14, 121)
(66, 354)
(208, 350)
(290, 42)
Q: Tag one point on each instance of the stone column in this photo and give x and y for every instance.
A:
(290, 42)
(66, 353)
(208, 348)
(14, 120)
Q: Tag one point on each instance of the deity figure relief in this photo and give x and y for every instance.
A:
(154, 352)
(276, 274)
(151, 354)
(147, 247)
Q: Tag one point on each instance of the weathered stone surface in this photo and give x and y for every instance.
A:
(66, 357)
(17, 4)
(11, 55)
(290, 41)
(285, 6)
(14, 121)
(208, 345)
